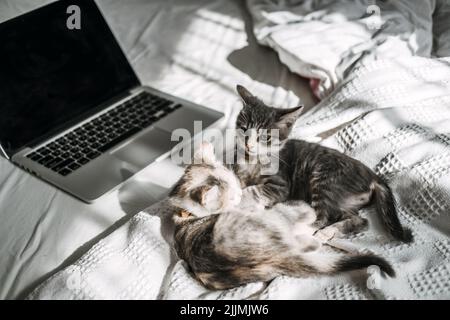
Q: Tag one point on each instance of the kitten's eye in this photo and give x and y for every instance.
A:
(243, 128)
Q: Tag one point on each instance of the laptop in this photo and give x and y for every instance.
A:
(72, 110)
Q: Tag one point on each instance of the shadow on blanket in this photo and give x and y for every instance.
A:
(254, 58)
(133, 197)
(76, 255)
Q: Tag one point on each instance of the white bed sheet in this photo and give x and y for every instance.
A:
(402, 134)
(195, 49)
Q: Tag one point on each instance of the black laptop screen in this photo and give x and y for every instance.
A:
(51, 75)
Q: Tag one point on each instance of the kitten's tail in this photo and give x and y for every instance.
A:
(364, 261)
(385, 206)
(330, 264)
(294, 266)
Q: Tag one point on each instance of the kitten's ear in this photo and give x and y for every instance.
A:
(205, 154)
(287, 118)
(290, 114)
(245, 94)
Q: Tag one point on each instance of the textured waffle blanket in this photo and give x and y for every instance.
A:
(398, 123)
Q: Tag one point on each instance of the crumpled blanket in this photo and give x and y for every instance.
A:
(324, 40)
(398, 114)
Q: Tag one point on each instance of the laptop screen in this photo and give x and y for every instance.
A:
(51, 75)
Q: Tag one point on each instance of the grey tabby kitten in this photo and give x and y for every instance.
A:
(334, 184)
(228, 245)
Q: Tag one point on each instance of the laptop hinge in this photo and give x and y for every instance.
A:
(3, 153)
(135, 89)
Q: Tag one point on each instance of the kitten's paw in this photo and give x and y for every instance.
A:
(326, 234)
(320, 223)
(250, 201)
(308, 214)
(253, 195)
(295, 203)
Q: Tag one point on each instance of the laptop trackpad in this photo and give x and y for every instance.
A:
(141, 151)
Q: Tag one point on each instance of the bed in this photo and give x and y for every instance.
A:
(392, 114)
(198, 50)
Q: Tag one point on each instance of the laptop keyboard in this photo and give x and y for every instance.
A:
(87, 142)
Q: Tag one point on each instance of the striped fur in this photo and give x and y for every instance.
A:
(243, 242)
(334, 184)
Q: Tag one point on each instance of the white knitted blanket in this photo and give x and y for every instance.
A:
(400, 128)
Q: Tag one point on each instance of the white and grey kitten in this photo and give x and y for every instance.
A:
(228, 242)
(334, 184)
